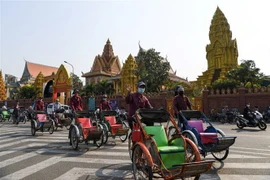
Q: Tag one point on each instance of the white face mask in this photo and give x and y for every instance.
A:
(141, 90)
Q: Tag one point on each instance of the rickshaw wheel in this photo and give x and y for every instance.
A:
(24, 119)
(130, 144)
(100, 141)
(74, 139)
(33, 129)
(124, 137)
(51, 129)
(106, 134)
(190, 136)
(192, 152)
(221, 155)
(140, 167)
(1, 117)
(171, 132)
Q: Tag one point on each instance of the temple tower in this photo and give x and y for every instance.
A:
(128, 75)
(3, 93)
(221, 53)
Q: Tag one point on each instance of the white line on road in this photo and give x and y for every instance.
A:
(244, 165)
(76, 173)
(31, 169)
(248, 152)
(253, 149)
(243, 177)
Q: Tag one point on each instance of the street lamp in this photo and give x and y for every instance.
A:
(72, 71)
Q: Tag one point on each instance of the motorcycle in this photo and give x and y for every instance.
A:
(257, 121)
(266, 114)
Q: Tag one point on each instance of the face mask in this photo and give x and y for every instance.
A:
(104, 99)
(181, 93)
(141, 90)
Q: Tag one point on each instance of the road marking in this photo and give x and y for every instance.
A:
(254, 149)
(17, 159)
(244, 165)
(12, 150)
(94, 160)
(32, 169)
(240, 156)
(243, 177)
(76, 173)
(254, 153)
(11, 139)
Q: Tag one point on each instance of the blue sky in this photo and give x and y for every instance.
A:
(50, 32)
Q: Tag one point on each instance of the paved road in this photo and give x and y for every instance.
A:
(45, 156)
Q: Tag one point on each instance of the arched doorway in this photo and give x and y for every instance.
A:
(48, 90)
(62, 85)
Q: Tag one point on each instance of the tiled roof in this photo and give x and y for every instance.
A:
(34, 69)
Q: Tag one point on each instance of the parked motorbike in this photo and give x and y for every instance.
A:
(266, 114)
(257, 121)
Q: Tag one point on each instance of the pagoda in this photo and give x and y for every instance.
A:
(3, 94)
(128, 75)
(104, 66)
(221, 53)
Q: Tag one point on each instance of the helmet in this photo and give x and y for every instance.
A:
(179, 88)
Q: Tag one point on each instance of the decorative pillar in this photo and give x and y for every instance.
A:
(205, 107)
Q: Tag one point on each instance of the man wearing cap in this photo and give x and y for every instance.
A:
(180, 102)
(76, 101)
(104, 104)
(136, 100)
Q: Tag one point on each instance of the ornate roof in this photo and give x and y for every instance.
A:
(31, 70)
(107, 63)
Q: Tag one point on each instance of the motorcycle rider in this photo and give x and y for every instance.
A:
(247, 114)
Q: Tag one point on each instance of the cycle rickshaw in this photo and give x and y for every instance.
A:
(114, 126)
(85, 130)
(154, 155)
(40, 122)
(5, 115)
(197, 127)
(62, 118)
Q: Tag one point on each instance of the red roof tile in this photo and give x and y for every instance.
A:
(34, 69)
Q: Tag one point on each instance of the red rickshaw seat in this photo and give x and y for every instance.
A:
(111, 119)
(85, 122)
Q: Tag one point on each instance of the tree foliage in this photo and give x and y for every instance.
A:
(77, 83)
(152, 69)
(27, 91)
(246, 72)
(102, 87)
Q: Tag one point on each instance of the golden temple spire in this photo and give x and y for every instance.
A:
(108, 51)
(220, 28)
(3, 94)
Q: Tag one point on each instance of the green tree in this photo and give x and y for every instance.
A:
(89, 89)
(27, 91)
(77, 83)
(152, 69)
(103, 87)
(246, 72)
(224, 84)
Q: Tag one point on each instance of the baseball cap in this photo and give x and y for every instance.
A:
(141, 84)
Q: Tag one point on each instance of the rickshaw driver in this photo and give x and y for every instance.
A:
(104, 104)
(180, 101)
(135, 101)
(76, 101)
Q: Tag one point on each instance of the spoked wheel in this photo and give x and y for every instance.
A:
(51, 129)
(24, 119)
(74, 139)
(106, 134)
(190, 136)
(221, 155)
(130, 144)
(123, 138)
(100, 140)
(140, 167)
(171, 132)
(33, 128)
(192, 152)
(262, 125)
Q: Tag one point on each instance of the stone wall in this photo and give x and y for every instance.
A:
(236, 98)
